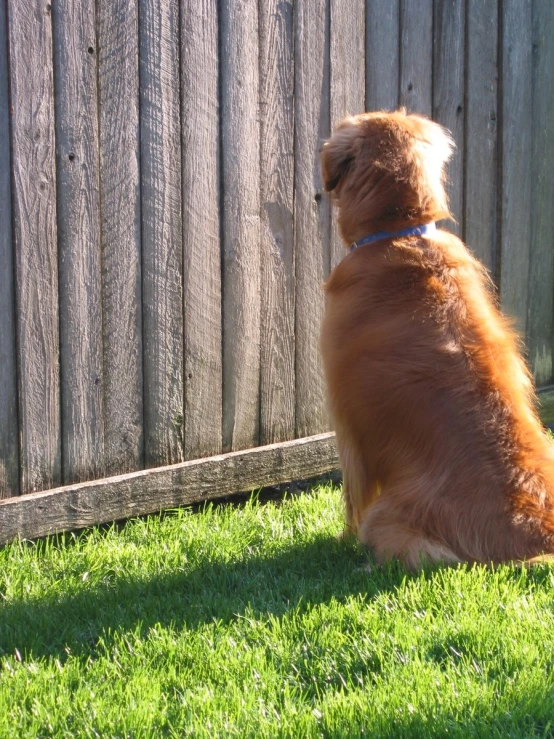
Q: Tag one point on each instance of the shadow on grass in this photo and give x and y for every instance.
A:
(300, 576)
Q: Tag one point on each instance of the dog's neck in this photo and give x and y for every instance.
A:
(425, 229)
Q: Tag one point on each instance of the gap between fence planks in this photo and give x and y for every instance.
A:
(149, 491)
(9, 452)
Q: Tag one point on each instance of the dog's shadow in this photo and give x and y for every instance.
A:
(300, 576)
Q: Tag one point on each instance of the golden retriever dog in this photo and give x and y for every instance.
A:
(443, 455)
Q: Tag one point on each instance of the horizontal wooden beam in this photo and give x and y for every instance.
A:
(148, 491)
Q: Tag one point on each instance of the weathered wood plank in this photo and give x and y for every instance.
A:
(347, 93)
(118, 81)
(201, 228)
(515, 214)
(541, 270)
(77, 165)
(35, 232)
(481, 153)
(9, 453)
(138, 493)
(382, 59)
(448, 95)
(311, 208)
(277, 382)
(416, 55)
(162, 257)
(241, 223)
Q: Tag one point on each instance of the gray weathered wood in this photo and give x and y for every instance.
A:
(201, 228)
(448, 95)
(311, 208)
(241, 223)
(515, 205)
(481, 155)
(162, 255)
(347, 92)
(118, 81)
(138, 493)
(77, 165)
(416, 55)
(34, 226)
(9, 453)
(541, 270)
(382, 39)
(277, 403)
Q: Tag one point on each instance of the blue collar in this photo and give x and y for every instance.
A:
(424, 229)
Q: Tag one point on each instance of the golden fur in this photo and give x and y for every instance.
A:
(443, 455)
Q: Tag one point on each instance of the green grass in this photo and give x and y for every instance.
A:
(256, 621)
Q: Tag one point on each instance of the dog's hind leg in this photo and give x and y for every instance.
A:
(383, 530)
(359, 488)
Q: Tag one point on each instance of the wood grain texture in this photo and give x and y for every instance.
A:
(241, 223)
(201, 227)
(162, 256)
(448, 95)
(382, 39)
(541, 268)
(77, 166)
(35, 232)
(311, 208)
(277, 382)
(118, 80)
(149, 491)
(515, 205)
(481, 152)
(347, 91)
(9, 452)
(416, 55)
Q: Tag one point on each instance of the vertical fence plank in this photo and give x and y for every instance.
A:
(201, 228)
(416, 55)
(241, 223)
(382, 61)
(34, 203)
(541, 272)
(9, 455)
(449, 93)
(515, 205)
(121, 255)
(481, 153)
(347, 96)
(162, 261)
(311, 208)
(77, 164)
(277, 383)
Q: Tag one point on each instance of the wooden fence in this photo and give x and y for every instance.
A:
(163, 232)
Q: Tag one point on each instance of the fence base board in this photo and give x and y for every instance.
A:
(149, 491)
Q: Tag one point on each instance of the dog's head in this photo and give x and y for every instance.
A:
(386, 172)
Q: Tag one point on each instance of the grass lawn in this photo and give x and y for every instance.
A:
(255, 621)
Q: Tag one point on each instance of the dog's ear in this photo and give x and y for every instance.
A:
(338, 153)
